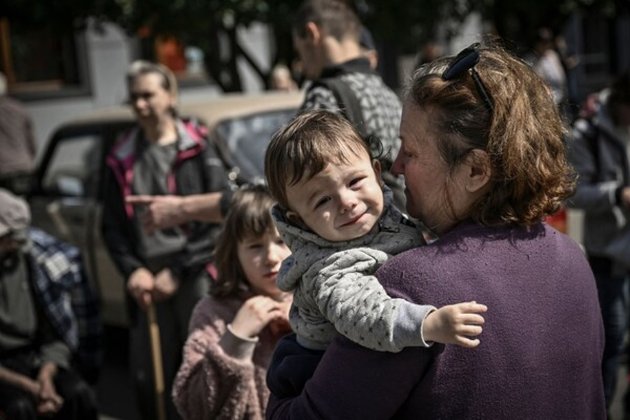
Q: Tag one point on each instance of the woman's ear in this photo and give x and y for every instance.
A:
(478, 170)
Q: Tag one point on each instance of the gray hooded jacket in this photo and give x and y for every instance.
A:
(335, 290)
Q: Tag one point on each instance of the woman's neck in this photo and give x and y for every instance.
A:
(163, 132)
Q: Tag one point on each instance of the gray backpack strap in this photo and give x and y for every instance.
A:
(347, 101)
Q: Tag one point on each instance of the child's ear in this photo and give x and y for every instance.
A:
(376, 164)
(294, 218)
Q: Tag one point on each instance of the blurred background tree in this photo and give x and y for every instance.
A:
(399, 26)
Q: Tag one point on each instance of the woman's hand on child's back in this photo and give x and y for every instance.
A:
(455, 324)
(255, 314)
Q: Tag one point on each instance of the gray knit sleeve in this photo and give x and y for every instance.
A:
(352, 299)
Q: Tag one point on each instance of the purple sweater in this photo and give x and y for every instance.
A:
(540, 352)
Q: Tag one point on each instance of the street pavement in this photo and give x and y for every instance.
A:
(113, 390)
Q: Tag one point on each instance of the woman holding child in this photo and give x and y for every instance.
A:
(484, 161)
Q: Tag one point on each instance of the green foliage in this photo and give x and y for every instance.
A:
(61, 15)
(212, 24)
(517, 20)
(408, 24)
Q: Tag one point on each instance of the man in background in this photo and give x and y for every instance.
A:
(599, 152)
(326, 36)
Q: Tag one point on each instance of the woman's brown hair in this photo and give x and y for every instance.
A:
(522, 133)
(249, 216)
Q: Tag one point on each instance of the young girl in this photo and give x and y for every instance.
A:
(234, 330)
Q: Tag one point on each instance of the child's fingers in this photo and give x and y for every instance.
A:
(470, 330)
(472, 319)
(474, 307)
(469, 343)
(469, 307)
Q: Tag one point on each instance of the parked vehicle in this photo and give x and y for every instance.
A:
(66, 197)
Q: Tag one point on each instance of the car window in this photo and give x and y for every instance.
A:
(73, 167)
(247, 138)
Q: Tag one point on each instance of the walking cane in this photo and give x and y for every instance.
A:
(156, 354)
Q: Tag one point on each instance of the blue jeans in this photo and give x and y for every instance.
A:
(613, 299)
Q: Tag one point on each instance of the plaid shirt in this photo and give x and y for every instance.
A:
(61, 286)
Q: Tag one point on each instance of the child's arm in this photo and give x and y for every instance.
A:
(455, 324)
(353, 300)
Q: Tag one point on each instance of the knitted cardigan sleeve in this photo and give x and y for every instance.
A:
(351, 298)
(213, 382)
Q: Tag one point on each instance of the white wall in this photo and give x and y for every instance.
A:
(107, 58)
(471, 30)
(108, 53)
(255, 40)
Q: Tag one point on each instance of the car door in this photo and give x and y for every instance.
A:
(242, 142)
(66, 202)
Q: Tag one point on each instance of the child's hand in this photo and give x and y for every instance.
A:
(455, 324)
(255, 314)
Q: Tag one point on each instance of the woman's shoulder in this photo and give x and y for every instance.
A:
(468, 247)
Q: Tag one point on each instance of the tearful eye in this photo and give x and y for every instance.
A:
(322, 201)
(355, 181)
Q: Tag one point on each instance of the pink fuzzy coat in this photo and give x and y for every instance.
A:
(222, 376)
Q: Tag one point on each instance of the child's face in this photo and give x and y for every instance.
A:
(261, 257)
(342, 202)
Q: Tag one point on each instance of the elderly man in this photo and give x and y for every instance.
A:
(40, 279)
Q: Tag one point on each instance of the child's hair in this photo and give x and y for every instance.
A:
(305, 146)
(249, 216)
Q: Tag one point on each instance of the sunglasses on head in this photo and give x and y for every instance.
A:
(464, 62)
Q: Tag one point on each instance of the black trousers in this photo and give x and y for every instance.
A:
(79, 401)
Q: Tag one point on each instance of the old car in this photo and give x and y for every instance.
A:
(66, 197)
